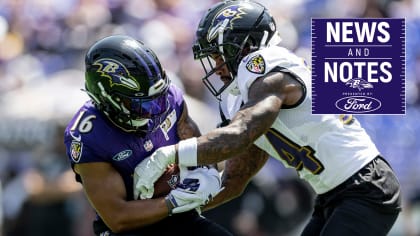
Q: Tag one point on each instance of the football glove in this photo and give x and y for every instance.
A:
(198, 187)
(150, 169)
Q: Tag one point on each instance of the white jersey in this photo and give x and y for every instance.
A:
(324, 149)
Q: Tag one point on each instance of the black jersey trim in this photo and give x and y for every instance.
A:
(298, 79)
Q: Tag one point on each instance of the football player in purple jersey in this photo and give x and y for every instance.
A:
(134, 109)
(266, 93)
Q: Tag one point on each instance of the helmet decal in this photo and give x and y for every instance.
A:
(228, 15)
(117, 73)
(256, 64)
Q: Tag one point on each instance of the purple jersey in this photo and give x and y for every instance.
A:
(91, 137)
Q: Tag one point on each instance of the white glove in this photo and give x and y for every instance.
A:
(202, 181)
(150, 169)
(199, 187)
(181, 201)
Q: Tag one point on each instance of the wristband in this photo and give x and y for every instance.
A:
(187, 152)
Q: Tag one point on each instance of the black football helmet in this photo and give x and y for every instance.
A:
(125, 80)
(231, 29)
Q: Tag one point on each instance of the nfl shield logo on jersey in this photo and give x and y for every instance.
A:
(148, 145)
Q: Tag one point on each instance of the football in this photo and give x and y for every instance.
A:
(167, 181)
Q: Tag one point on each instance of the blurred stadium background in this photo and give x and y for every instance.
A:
(42, 46)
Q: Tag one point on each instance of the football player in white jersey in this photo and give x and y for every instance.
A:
(266, 91)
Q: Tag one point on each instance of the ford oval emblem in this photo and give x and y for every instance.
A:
(358, 104)
(122, 155)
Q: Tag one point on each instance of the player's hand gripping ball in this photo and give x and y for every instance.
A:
(167, 181)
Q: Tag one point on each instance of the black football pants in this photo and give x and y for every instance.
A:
(368, 203)
(350, 218)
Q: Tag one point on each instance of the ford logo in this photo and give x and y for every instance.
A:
(122, 155)
(358, 104)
